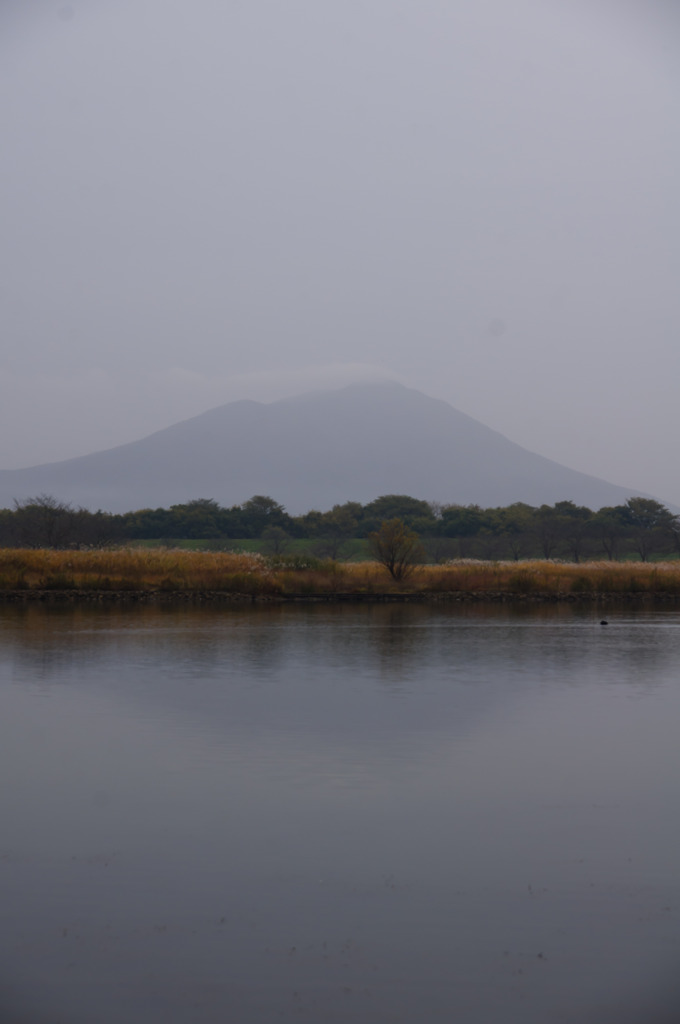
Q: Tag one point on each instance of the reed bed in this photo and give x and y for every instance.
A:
(166, 569)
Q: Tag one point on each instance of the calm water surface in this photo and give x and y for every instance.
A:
(371, 814)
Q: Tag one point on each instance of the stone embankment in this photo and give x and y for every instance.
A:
(406, 597)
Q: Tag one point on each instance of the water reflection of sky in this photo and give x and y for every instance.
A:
(447, 791)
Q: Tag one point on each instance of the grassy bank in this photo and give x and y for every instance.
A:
(355, 549)
(251, 575)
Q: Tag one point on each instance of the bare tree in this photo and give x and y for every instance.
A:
(396, 547)
(44, 522)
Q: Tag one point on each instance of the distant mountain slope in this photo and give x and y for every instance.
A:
(312, 452)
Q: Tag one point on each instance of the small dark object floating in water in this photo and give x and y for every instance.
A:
(603, 622)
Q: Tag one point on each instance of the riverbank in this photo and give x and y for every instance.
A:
(133, 574)
(213, 597)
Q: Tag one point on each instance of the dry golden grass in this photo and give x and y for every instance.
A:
(243, 573)
(135, 569)
(553, 577)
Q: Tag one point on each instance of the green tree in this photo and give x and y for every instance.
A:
(548, 527)
(472, 526)
(440, 549)
(198, 518)
(310, 524)
(574, 524)
(398, 506)
(461, 520)
(335, 528)
(516, 524)
(8, 528)
(608, 528)
(261, 511)
(276, 540)
(396, 547)
(650, 523)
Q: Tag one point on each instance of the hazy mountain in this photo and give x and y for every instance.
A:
(312, 452)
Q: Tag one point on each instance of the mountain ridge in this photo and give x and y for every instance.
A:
(313, 451)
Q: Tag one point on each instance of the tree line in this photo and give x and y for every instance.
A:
(640, 528)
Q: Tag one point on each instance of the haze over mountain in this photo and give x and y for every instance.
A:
(314, 451)
(212, 201)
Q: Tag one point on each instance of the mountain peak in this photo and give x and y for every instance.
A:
(313, 451)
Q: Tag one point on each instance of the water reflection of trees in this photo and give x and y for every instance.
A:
(387, 643)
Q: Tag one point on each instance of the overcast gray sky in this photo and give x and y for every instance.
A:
(218, 199)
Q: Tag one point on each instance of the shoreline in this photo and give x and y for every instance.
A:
(75, 596)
